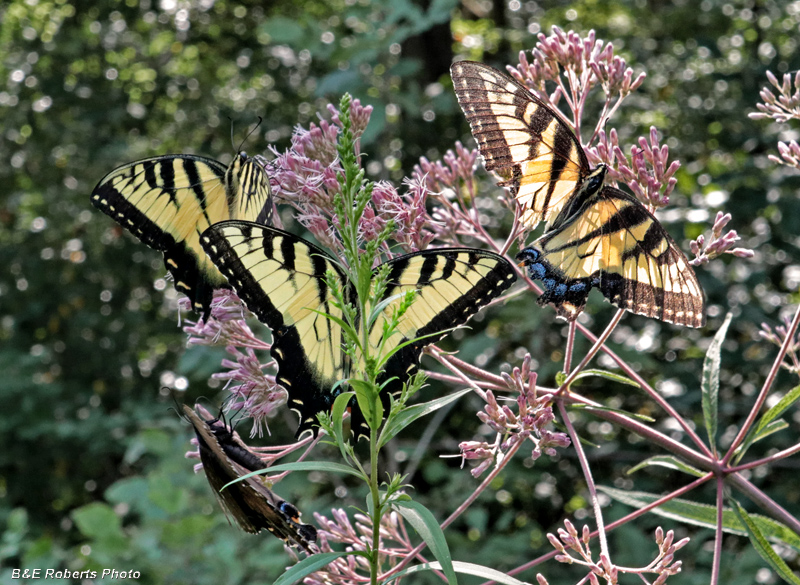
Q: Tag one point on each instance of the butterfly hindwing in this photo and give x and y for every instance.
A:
(615, 244)
(535, 153)
(281, 279)
(169, 201)
(250, 502)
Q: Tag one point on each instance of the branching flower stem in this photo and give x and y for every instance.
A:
(621, 522)
(654, 395)
(569, 348)
(762, 396)
(599, 343)
(446, 362)
(587, 474)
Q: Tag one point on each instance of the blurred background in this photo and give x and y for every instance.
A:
(92, 468)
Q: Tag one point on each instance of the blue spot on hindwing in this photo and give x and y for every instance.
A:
(537, 271)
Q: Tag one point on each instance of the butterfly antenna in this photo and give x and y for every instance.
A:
(177, 407)
(234, 421)
(249, 134)
(233, 144)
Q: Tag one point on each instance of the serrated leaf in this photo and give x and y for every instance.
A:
(308, 565)
(607, 375)
(762, 546)
(429, 530)
(465, 569)
(412, 413)
(706, 516)
(669, 462)
(710, 382)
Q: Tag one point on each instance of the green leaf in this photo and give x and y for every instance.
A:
(767, 423)
(310, 564)
(710, 383)
(337, 416)
(100, 523)
(465, 569)
(763, 547)
(328, 466)
(706, 516)
(408, 415)
(669, 462)
(377, 311)
(783, 404)
(369, 402)
(428, 528)
(607, 375)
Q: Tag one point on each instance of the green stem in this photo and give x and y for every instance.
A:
(376, 507)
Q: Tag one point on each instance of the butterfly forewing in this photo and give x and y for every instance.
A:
(535, 153)
(281, 279)
(169, 201)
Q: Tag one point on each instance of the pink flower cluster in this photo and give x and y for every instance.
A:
(782, 108)
(569, 542)
(249, 386)
(719, 244)
(649, 174)
(307, 177)
(778, 336)
(395, 546)
(584, 61)
(530, 421)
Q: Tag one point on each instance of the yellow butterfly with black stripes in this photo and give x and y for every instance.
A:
(168, 201)
(282, 280)
(597, 236)
(250, 502)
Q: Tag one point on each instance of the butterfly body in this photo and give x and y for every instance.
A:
(169, 201)
(596, 235)
(250, 502)
(282, 280)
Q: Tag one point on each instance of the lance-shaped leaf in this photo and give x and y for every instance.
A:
(710, 384)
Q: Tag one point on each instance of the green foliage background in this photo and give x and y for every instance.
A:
(92, 473)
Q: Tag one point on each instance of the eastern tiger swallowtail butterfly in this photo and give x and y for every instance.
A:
(168, 201)
(255, 507)
(281, 279)
(598, 236)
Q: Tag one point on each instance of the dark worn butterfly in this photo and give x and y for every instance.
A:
(168, 201)
(250, 502)
(597, 236)
(281, 279)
